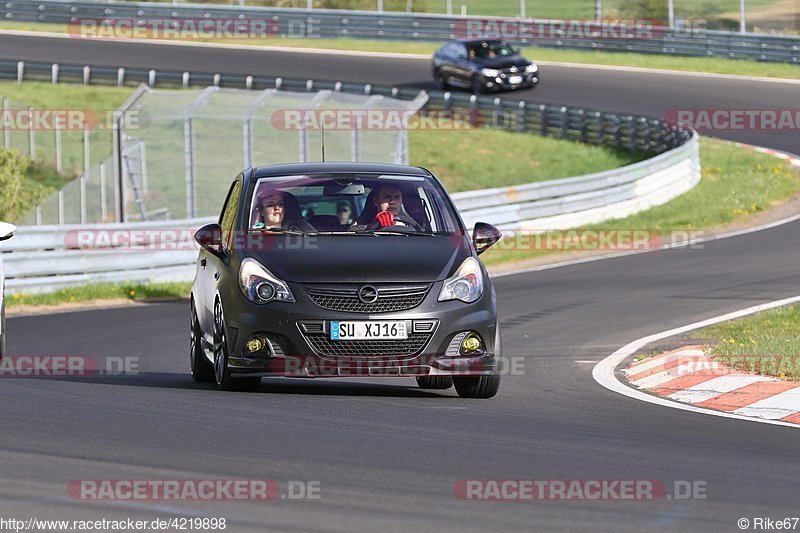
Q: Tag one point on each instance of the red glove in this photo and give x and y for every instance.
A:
(385, 218)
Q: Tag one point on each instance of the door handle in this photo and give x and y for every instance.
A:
(203, 262)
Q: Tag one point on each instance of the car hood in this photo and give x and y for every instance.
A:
(503, 62)
(363, 258)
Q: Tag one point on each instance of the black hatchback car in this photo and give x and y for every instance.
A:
(482, 65)
(344, 269)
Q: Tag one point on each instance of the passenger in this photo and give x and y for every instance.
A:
(278, 210)
(344, 212)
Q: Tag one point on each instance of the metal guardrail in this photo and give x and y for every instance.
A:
(42, 258)
(323, 23)
(621, 130)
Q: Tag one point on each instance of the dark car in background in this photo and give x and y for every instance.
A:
(482, 65)
(287, 284)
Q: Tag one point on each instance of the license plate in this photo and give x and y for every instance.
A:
(391, 330)
(515, 80)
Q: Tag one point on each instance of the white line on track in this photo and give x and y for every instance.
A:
(604, 372)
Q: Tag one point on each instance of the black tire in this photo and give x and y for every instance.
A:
(477, 85)
(202, 370)
(477, 386)
(434, 382)
(222, 373)
(440, 80)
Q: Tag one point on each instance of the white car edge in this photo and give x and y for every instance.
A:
(6, 232)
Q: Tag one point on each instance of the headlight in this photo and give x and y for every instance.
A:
(530, 69)
(490, 72)
(260, 286)
(466, 285)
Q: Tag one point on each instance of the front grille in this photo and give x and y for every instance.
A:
(390, 298)
(413, 345)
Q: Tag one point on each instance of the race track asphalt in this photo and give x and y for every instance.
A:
(387, 455)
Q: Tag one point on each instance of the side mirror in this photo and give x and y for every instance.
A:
(484, 236)
(517, 50)
(7, 231)
(209, 237)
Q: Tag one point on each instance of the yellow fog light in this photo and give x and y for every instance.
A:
(471, 343)
(255, 345)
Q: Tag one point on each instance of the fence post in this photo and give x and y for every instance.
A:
(522, 8)
(119, 197)
(143, 167)
(303, 142)
(32, 133)
(247, 139)
(86, 163)
(59, 157)
(355, 144)
(38, 214)
(103, 194)
(6, 129)
(61, 206)
(188, 151)
(83, 198)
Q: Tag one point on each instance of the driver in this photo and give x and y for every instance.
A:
(389, 203)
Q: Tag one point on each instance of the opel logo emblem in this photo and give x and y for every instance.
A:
(513, 69)
(368, 294)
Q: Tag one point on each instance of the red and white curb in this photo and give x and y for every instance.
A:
(791, 158)
(605, 372)
(690, 376)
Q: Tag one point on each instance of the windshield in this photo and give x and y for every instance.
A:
(348, 204)
(490, 50)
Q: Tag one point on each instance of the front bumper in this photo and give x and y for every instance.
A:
(293, 355)
(511, 81)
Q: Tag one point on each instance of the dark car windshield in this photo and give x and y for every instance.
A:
(490, 50)
(349, 205)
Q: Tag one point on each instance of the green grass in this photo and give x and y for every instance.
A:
(735, 184)
(713, 10)
(765, 343)
(688, 64)
(38, 182)
(103, 291)
(102, 101)
(481, 158)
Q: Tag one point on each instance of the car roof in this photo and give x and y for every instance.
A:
(293, 169)
(477, 41)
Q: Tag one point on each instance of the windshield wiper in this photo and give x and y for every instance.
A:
(393, 232)
(290, 231)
